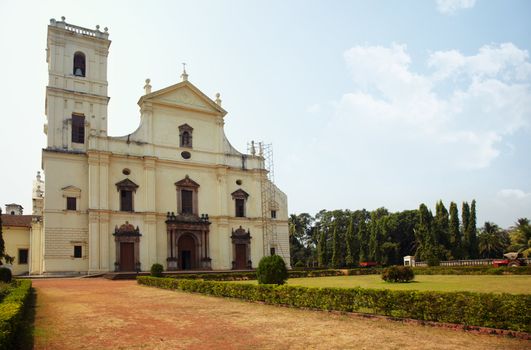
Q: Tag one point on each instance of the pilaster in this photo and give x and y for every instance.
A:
(104, 233)
(94, 242)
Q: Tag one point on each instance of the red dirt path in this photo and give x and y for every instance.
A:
(102, 314)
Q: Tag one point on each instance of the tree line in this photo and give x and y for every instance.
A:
(339, 238)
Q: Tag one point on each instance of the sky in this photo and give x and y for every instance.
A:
(366, 103)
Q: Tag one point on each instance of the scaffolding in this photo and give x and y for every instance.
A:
(269, 204)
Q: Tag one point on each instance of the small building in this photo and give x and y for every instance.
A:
(409, 260)
(16, 232)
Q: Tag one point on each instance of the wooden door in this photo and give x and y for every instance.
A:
(187, 249)
(127, 256)
(241, 256)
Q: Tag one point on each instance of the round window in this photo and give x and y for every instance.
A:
(126, 171)
(238, 182)
(186, 155)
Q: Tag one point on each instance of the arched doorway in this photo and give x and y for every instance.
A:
(127, 239)
(186, 252)
(241, 243)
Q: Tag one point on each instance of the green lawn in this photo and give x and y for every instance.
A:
(495, 284)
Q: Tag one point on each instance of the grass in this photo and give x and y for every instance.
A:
(484, 284)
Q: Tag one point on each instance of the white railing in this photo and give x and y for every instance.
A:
(80, 30)
(471, 262)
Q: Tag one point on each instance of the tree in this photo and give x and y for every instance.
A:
(492, 241)
(363, 238)
(442, 226)
(376, 238)
(472, 233)
(2, 243)
(4, 257)
(520, 235)
(335, 249)
(322, 260)
(427, 249)
(300, 238)
(466, 220)
(349, 259)
(455, 234)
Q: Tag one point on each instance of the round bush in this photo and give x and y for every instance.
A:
(299, 264)
(272, 270)
(156, 270)
(5, 275)
(401, 274)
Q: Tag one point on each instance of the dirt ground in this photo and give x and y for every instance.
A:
(103, 314)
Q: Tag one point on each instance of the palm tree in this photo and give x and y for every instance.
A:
(492, 241)
(520, 235)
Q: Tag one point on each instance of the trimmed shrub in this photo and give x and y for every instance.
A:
(400, 274)
(156, 270)
(299, 264)
(5, 275)
(11, 313)
(272, 270)
(503, 311)
(433, 260)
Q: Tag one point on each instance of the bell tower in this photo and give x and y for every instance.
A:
(76, 95)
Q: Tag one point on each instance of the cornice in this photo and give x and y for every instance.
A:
(61, 92)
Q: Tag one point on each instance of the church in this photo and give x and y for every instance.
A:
(174, 191)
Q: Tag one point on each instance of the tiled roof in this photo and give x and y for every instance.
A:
(16, 220)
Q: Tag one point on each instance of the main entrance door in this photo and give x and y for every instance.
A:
(127, 256)
(186, 246)
(241, 256)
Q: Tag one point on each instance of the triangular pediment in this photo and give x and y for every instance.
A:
(71, 189)
(186, 182)
(239, 193)
(127, 185)
(184, 95)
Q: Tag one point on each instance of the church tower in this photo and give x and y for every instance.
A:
(76, 112)
(76, 95)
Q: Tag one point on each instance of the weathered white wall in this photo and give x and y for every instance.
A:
(153, 156)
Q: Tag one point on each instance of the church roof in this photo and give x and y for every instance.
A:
(199, 101)
(16, 220)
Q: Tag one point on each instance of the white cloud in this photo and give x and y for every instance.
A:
(451, 6)
(513, 194)
(458, 114)
(490, 61)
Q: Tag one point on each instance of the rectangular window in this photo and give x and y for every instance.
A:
(272, 251)
(240, 207)
(78, 251)
(273, 214)
(186, 202)
(126, 200)
(22, 256)
(71, 203)
(78, 128)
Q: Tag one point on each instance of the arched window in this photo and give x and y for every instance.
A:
(185, 133)
(126, 188)
(187, 196)
(79, 64)
(240, 197)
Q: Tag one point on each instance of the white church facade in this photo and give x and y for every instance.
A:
(173, 192)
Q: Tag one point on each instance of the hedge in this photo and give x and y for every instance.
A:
(472, 270)
(503, 311)
(11, 313)
(439, 270)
